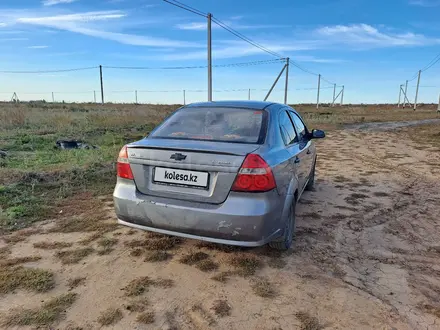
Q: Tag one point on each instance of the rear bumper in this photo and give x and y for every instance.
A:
(243, 219)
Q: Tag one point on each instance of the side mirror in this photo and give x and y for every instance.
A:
(318, 134)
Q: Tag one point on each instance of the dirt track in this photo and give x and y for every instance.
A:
(367, 254)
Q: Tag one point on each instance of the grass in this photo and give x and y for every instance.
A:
(221, 308)
(44, 245)
(160, 243)
(355, 198)
(193, 257)
(308, 322)
(106, 244)
(18, 261)
(141, 285)
(157, 256)
(30, 279)
(138, 305)
(110, 316)
(221, 277)
(262, 287)
(4, 251)
(73, 256)
(50, 312)
(137, 252)
(246, 264)
(146, 317)
(203, 313)
(75, 282)
(207, 265)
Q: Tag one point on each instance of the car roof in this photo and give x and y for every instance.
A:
(258, 105)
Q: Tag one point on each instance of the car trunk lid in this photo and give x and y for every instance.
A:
(199, 171)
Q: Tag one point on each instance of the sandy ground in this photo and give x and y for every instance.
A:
(366, 257)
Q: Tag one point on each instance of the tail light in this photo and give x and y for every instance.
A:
(123, 166)
(254, 175)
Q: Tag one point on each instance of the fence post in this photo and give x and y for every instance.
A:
(102, 84)
(319, 87)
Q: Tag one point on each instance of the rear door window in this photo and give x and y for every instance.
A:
(215, 124)
(287, 129)
(299, 125)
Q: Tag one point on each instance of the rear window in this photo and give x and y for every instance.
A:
(215, 124)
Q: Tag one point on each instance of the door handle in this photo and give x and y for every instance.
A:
(308, 152)
(297, 160)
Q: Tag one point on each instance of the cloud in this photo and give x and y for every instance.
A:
(56, 2)
(37, 47)
(78, 23)
(13, 39)
(367, 36)
(312, 59)
(424, 3)
(3, 24)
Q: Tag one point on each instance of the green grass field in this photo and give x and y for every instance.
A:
(35, 177)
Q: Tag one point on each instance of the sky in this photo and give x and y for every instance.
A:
(369, 46)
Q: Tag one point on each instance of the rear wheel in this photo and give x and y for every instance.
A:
(311, 184)
(288, 239)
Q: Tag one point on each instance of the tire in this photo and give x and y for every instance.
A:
(311, 184)
(288, 239)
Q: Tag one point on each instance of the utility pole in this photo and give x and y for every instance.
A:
(94, 95)
(342, 96)
(249, 94)
(417, 90)
(334, 94)
(400, 95)
(184, 97)
(209, 58)
(53, 98)
(287, 80)
(406, 91)
(102, 84)
(319, 88)
(438, 108)
(136, 96)
(274, 84)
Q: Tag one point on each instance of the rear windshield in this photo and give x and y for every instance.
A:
(215, 124)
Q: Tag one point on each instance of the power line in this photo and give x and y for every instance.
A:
(262, 62)
(432, 63)
(186, 7)
(52, 71)
(244, 38)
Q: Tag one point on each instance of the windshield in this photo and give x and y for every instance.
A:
(215, 124)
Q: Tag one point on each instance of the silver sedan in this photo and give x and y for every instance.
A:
(226, 172)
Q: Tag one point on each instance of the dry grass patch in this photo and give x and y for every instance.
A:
(18, 261)
(157, 256)
(50, 312)
(83, 224)
(5, 250)
(355, 198)
(162, 243)
(308, 322)
(75, 282)
(380, 194)
(31, 279)
(219, 247)
(434, 310)
(193, 257)
(138, 305)
(131, 232)
(52, 245)
(246, 264)
(221, 308)
(222, 277)
(146, 317)
(110, 316)
(203, 313)
(12, 239)
(73, 256)
(91, 238)
(207, 265)
(136, 252)
(106, 245)
(141, 285)
(262, 287)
